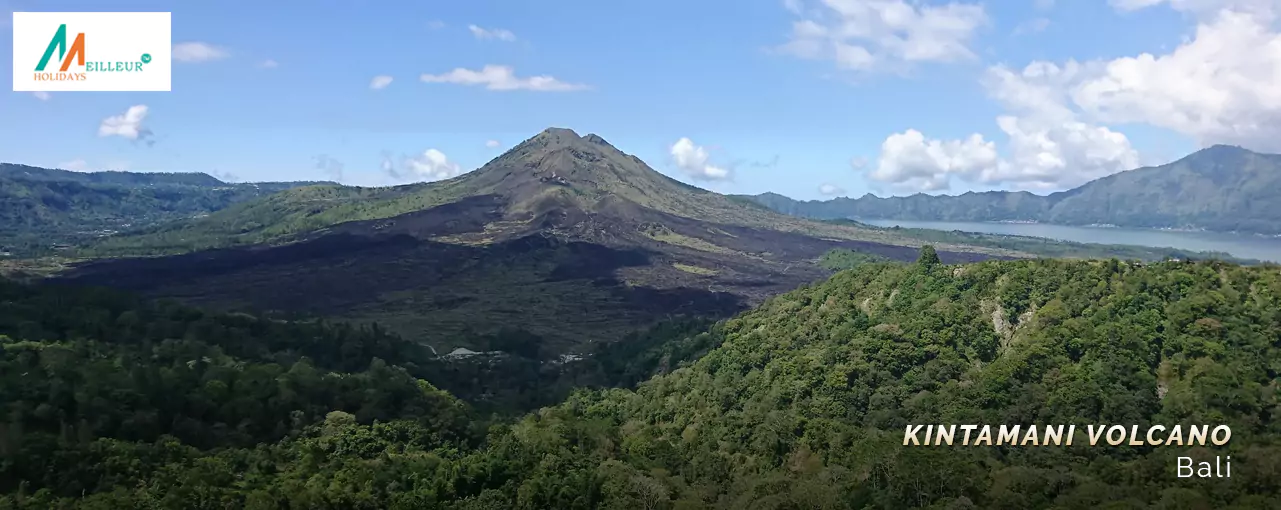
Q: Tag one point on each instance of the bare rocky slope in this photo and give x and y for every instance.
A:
(563, 236)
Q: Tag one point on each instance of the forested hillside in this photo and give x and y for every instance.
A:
(41, 208)
(800, 403)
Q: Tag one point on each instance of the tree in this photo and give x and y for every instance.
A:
(800, 403)
(929, 257)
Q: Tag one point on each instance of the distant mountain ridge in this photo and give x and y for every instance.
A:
(1220, 188)
(123, 178)
(108, 177)
(42, 208)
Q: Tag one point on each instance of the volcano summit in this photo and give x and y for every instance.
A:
(564, 237)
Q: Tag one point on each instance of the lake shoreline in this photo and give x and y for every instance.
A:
(1103, 225)
(1240, 245)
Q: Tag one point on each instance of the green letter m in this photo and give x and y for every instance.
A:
(59, 43)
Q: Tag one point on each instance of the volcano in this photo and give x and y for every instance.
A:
(563, 237)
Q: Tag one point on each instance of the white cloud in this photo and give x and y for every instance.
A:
(493, 33)
(269, 64)
(1049, 145)
(1044, 5)
(693, 160)
(502, 78)
(43, 96)
(380, 82)
(1222, 86)
(1218, 86)
(435, 24)
(493, 144)
(75, 165)
(863, 35)
(909, 160)
(198, 52)
(829, 189)
(128, 125)
(1050, 156)
(432, 165)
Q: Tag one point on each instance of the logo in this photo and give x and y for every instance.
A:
(59, 43)
(100, 51)
(77, 53)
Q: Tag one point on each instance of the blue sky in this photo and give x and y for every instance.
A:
(804, 98)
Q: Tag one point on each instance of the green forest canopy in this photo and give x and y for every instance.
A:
(800, 403)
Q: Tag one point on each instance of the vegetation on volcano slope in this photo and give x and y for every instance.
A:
(841, 259)
(299, 213)
(514, 376)
(555, 174)
(800, 403)
(278, 217)
(41, 209)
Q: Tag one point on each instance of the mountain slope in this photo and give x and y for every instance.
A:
(1220, 188)
(801, 403)
(554, 171)
(40, 207)
(805, 403)
(563, 237)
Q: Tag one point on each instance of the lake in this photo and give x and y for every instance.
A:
(1238, 245)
